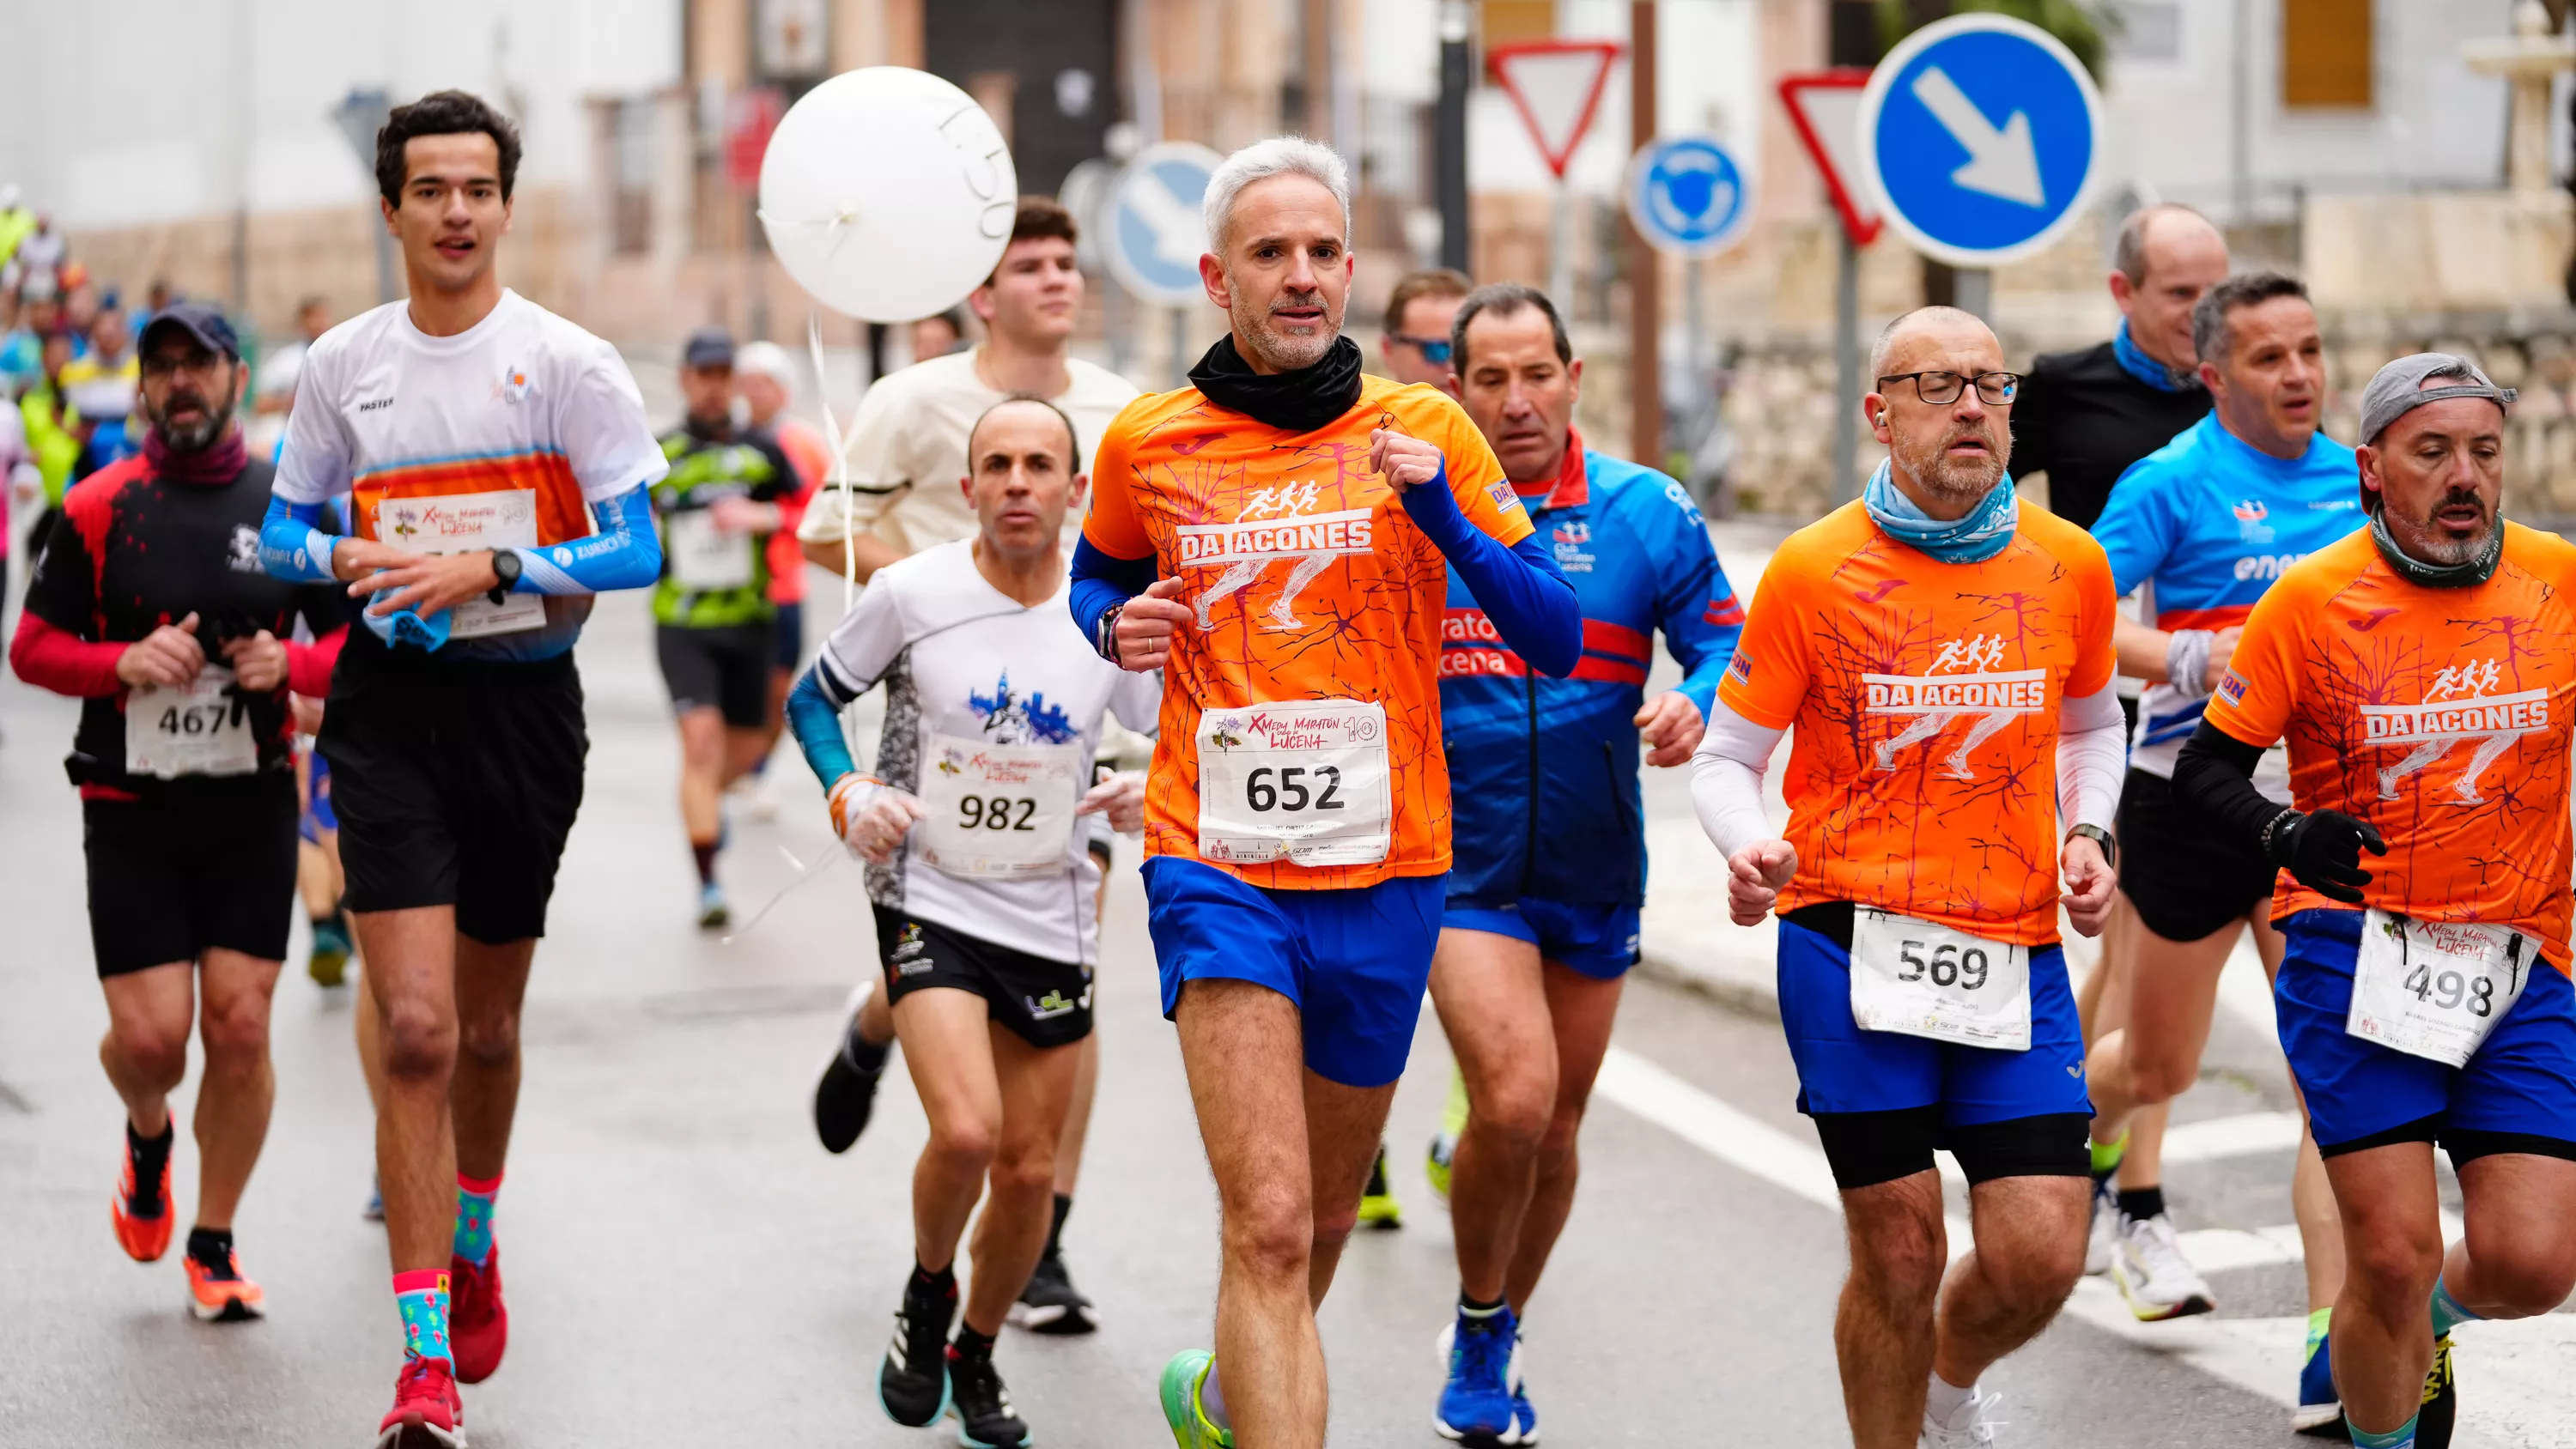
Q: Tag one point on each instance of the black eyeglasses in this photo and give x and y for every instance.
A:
(1433, 349)
(1942, 388)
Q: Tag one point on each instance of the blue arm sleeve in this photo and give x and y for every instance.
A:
(1519, 588)
(1695, 606)
(626, 553)
(1102, 581)
(817, 723)
(291, 546)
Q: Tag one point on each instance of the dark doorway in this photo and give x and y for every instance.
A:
(1055, 65)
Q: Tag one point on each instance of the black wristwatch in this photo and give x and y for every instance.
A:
(506, 568)
(2100, 837)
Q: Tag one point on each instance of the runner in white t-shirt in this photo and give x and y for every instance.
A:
(497, 459)
(980, 877)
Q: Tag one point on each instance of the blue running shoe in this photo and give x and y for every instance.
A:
(2320, 1408)
(1476, 1402)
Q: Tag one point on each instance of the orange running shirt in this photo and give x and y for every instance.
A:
(1310, 581)
(1922, 698)
(2439, 715)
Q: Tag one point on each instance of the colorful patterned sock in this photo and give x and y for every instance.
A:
(2319, 1320)
(421, 1295)
(2401, 1437)
(2447, 1312)
(474, 1217)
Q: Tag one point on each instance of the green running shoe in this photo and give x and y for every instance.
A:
(1183, 1377)
(1378, 1207)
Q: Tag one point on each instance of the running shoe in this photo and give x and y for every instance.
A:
(912, 1384)
(1183, 1378)
(2153, 1274)
(1437, 1161)
(1968, 1429)
(713, 913)
(981, 1405)
(1522, 1413)
(2104, 1244)
(847, 1093)
(1378, 1207)
(1476, 1400)
(2320, 1409)
(328, 965)
(427, 1413)
(478, 1322)
(218, 1293)
(374, 1211)
(142, 1216)
(2441, 1411)
(1051, 1304)
(1444, 1144)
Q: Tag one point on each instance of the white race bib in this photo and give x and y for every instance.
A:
(465, 523)
(1306, 780)
(705, 558)
(201, 729)
(997, 809)
(2434, 989)
(1919, 979)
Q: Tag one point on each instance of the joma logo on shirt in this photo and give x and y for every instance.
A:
(2456, 708)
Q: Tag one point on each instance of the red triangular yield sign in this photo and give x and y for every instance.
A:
(1556, 86)
(1825, 106)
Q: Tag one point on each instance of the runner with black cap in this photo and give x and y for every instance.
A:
(149, 605)
(2423, 675)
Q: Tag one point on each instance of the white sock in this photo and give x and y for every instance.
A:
(1943, 1400)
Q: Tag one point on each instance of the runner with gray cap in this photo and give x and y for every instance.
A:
(2422, 673)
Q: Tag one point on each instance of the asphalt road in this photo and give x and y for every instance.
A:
(686, 1266)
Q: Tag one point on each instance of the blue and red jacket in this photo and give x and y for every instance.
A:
(1543, 788)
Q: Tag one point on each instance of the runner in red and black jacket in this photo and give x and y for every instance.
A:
(148, 603)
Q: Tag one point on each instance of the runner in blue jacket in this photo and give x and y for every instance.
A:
(1548, 833)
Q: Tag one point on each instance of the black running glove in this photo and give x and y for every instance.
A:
(2323, 851)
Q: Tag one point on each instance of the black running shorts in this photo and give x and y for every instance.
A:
(1045, 1003)
(724, 668)
(455, 783)
(175, 874)
(2185, 878)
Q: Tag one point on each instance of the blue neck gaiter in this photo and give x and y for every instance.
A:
(1973, 539)
(2136, 363)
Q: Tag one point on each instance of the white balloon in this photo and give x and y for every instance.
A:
(887, 194)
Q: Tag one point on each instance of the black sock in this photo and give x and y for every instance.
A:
(1055, 1235)
(211, 1247)
(867, 1056)
(1470, 1305)
(706, 858)
(942, 1284)
(971, 1344)
(151, 1157)
(2142, 1202)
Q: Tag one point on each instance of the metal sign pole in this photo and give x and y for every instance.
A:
(1976, 292)
(1180, 347)
(1560, 246)
(1847, 385)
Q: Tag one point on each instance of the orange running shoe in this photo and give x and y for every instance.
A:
(145, 1236)
(221, 1294)
(427, 1413)
(478, 1322)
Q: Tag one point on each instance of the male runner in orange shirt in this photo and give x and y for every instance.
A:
(1946, 657)
(1277, 538)
(2422, 674)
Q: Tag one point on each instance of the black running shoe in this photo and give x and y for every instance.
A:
(982, 1405)
(847, 1094)
(1051, 1304)
(912, 1383)
(2441, 1410)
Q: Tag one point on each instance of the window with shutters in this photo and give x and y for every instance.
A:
(2325, 54)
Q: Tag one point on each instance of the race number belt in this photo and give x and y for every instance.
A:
(1919, 979)
(1305, 781)
(996, 809)
(705, 558)
(2434, 989)
(468, 523)
(202, 728)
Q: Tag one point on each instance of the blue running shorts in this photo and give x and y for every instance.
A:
(318, 814)
(1355, 962)
(1842, 1068)
(1598, 940)
(2521, 1083)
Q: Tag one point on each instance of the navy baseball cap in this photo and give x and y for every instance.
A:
(708, 347)
(198, 320)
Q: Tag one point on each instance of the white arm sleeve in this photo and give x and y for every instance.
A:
(1726, 779)
(2092, 754)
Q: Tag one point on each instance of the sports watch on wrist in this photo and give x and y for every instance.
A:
(2100, 837)
(506, 568)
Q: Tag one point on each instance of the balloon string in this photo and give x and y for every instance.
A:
(840, 480)
(804, 873)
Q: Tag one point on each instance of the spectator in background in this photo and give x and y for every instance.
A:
(53, 429)
(765, 380)
(100, 388)
(938, 334)
(80, 304)
(1418, 314)
(40, 251)
(278, 370)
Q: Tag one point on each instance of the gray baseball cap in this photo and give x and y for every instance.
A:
(2398, 388)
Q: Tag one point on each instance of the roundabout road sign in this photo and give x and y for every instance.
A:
(1980, 137)
(1689, 195)
(1155, 233)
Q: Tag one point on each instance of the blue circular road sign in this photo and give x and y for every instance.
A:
(1689, 194)
(1980, 136)
(1156, 235)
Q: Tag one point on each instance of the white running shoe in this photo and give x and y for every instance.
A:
(1969, 1428)
(2106, 1231)
(2153, 1274)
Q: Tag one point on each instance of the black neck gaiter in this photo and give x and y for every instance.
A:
(1293, 402)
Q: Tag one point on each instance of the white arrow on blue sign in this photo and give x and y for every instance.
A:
(1980, 136)
(1156, 235)
(1689, 195)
